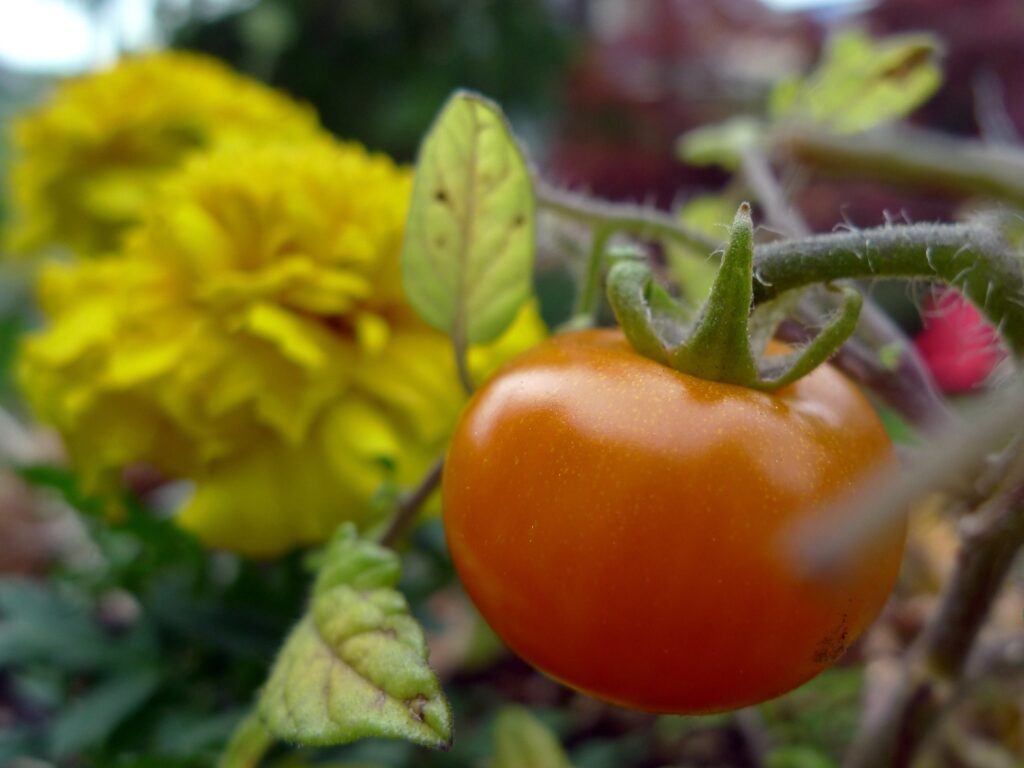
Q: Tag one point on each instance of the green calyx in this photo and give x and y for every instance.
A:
(719, 342)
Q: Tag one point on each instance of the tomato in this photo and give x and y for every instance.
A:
(619, 524)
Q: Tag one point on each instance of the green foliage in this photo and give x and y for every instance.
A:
(50, 638)
(356, 664)
(523, 741)
(798, 757)
(90, 719)
(818, 719)
(861, 83)
(143, 646)
(467, 262)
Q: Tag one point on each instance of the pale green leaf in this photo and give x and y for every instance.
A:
(356, 664)
(861, 83)
(467, 261)
(720, 144)
(523, 741)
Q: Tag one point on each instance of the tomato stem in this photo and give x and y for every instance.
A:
(587, 301)
(410, 505)
(967, 257)
(636, 220)
(717, 345)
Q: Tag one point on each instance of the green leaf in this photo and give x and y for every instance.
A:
(90, 719)
(720, 144)
(861, 83)
(523, 741)
(355, 666)
(467, 261)
(39, 626)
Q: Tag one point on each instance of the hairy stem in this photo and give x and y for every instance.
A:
(410, 504)
(912, 158)
(967, 257)
(758, 173)
(906, 385)
(621, 217)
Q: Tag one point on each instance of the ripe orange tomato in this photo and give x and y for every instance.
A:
(618, 524)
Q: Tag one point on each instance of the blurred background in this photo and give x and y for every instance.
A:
(599, 90)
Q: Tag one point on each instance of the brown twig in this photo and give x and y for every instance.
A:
(933, 670)
(410, 504)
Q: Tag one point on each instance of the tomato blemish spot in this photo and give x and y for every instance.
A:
(833, 645)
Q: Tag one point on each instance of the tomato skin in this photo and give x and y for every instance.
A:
(618, 524)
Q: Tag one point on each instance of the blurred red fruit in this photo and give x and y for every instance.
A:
(960, 348)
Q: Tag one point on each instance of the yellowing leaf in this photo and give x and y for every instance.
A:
(862, 83)
(523, 741)
(467, 260)
(356, 664)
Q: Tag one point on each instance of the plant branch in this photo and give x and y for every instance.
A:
(932, 673)
(587, 302)
(912, 158)
(621, 217)
(907, 385)
(952, 455)
(967, 257)
(410, 504)
(758, 173)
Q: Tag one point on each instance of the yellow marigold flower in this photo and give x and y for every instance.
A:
(87, 161)
(254, 338)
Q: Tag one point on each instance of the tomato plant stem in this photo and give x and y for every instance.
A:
(411, 503)
(587, 301)
(906, 384)
(759, 176)
(967, 257)
(621, 217)
(912, 158)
